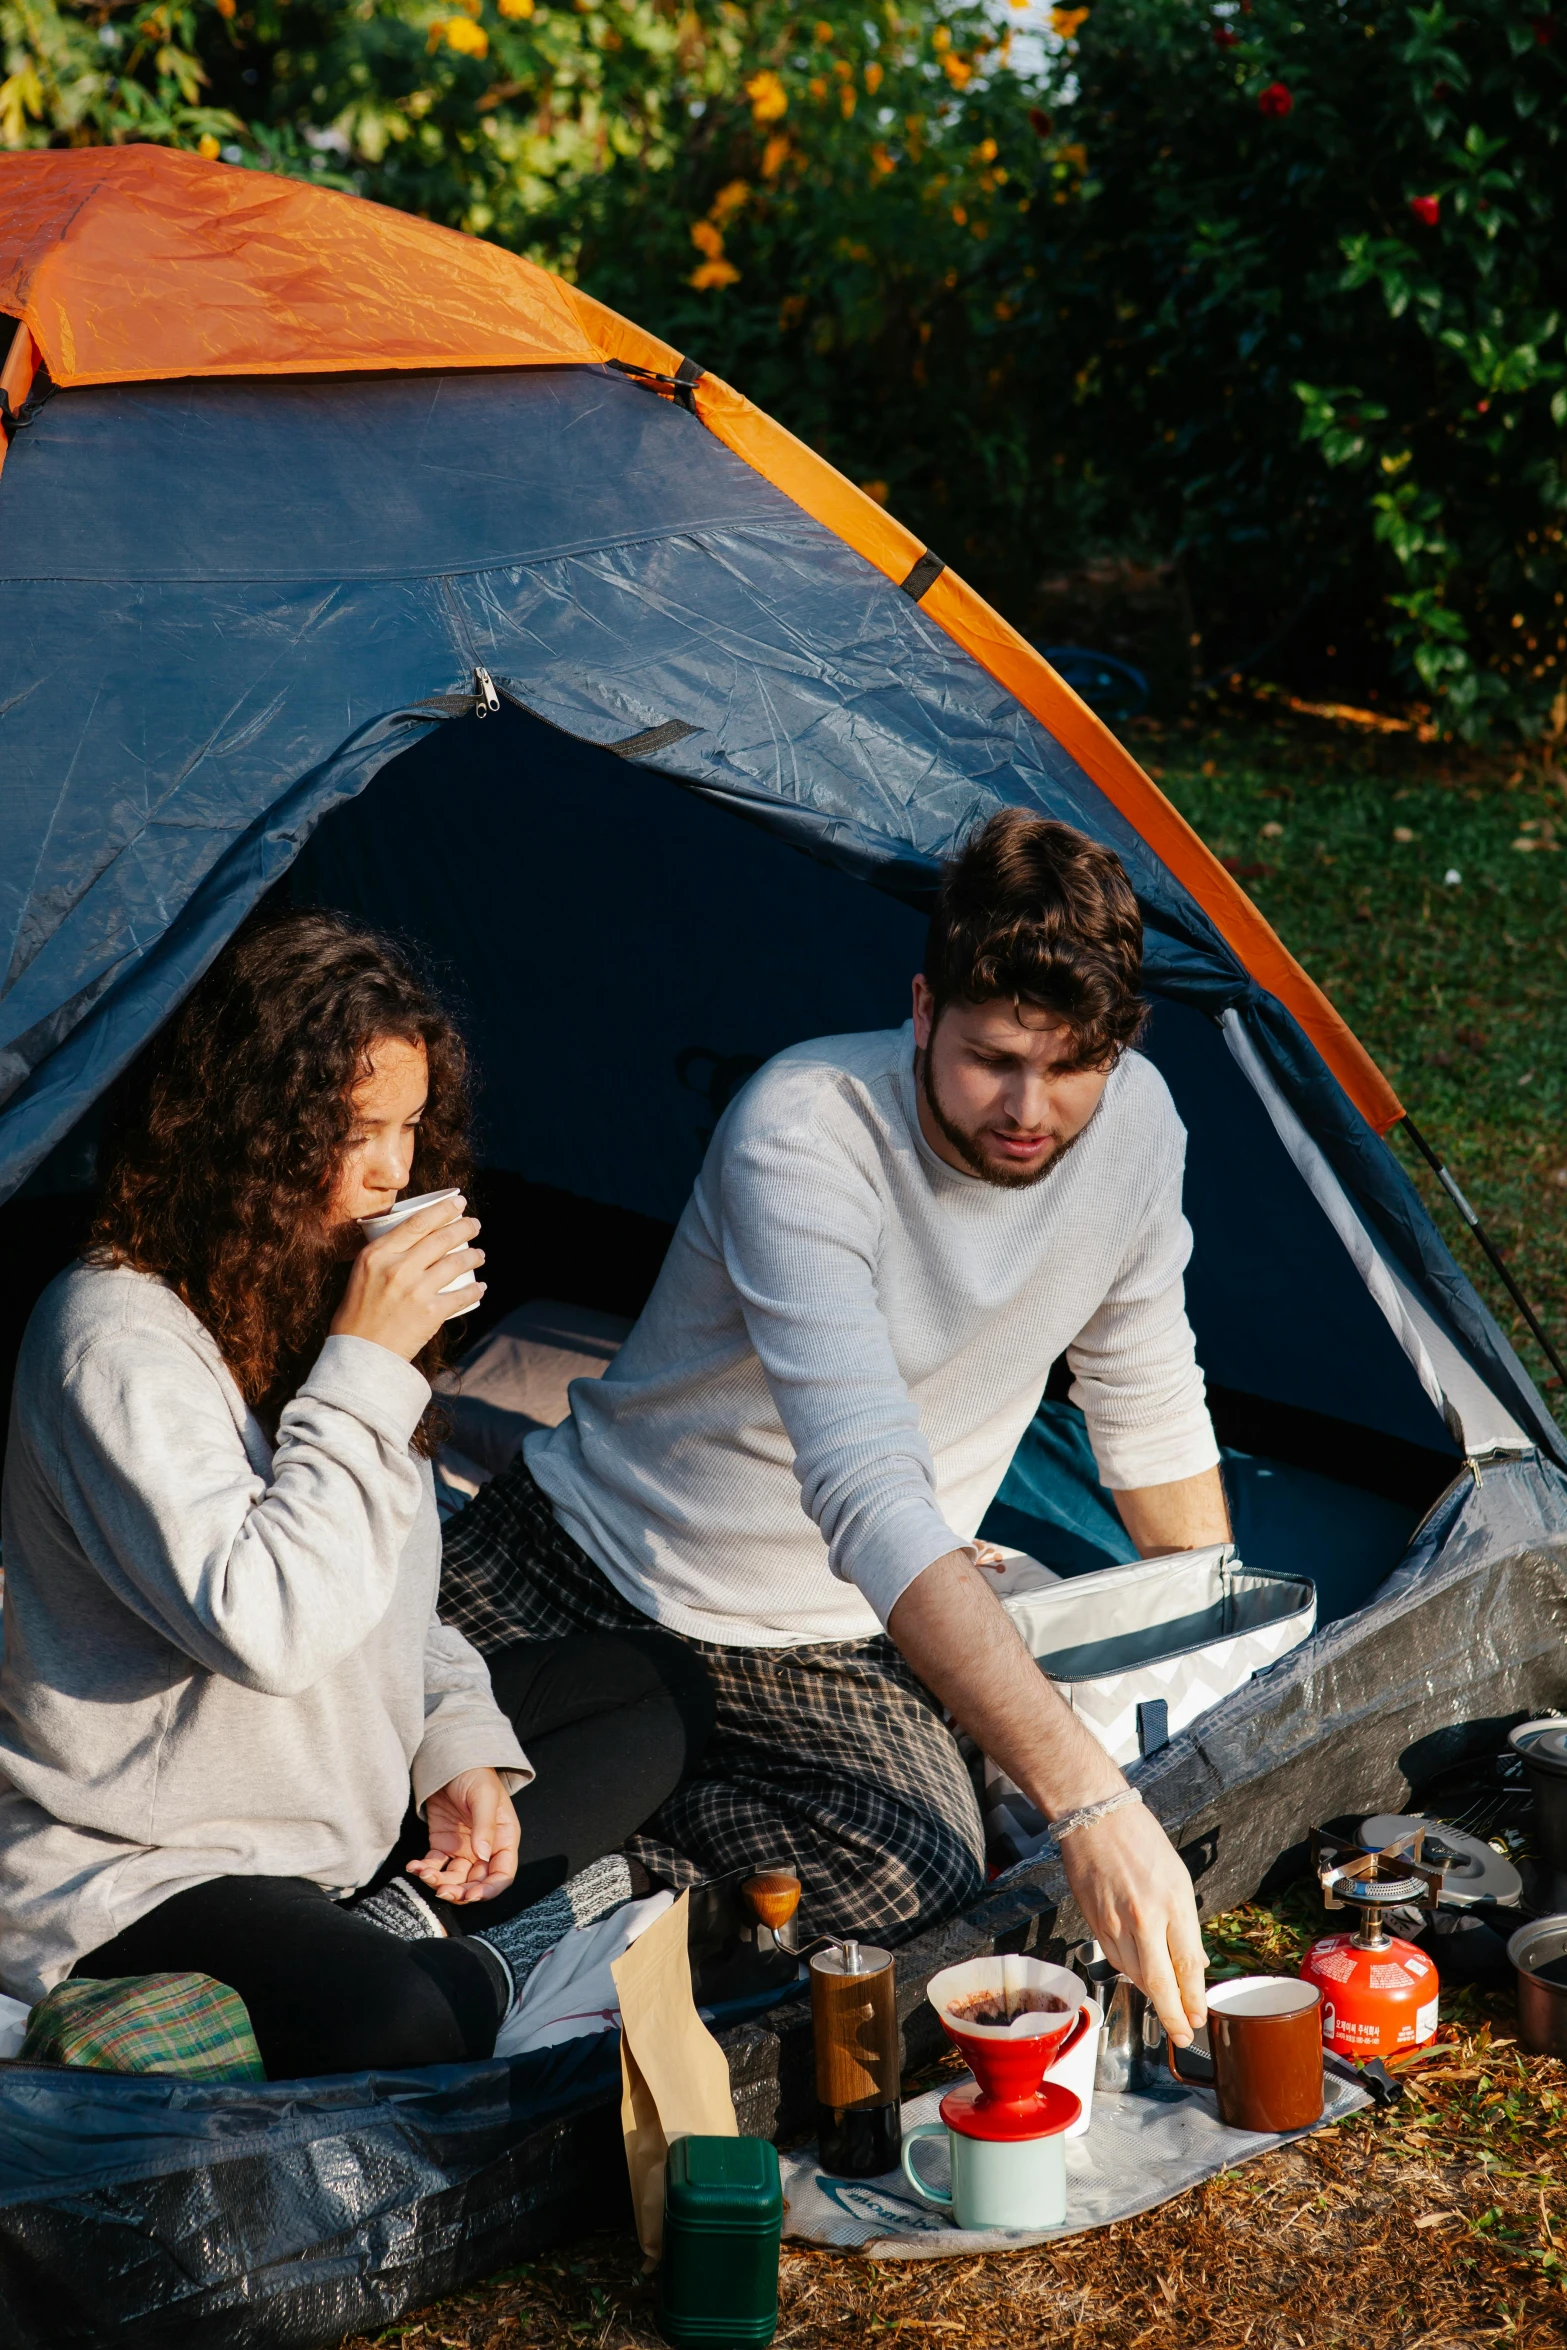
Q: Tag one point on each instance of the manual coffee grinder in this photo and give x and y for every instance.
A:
(854, 2022)
(1379, 1993)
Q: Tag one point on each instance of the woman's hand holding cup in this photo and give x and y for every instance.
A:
(400, 1287)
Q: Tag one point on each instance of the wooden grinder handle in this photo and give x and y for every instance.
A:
(773, 1896)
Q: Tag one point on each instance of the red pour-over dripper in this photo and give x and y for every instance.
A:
(1046, 2014)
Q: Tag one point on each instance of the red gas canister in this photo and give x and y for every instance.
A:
(1378, 1999)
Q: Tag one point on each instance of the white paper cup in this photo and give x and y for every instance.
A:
(373, 1227)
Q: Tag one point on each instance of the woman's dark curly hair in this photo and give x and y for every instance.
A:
(1037, 911)
(224, 1143)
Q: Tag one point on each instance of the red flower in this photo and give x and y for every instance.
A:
(1426, 208)
(1276, 100)
(1544, 31)
(1226, 37)
(1040, 122)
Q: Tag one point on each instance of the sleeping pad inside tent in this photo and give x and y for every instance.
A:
(348, 559)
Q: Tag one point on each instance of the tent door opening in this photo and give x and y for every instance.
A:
(623, 954)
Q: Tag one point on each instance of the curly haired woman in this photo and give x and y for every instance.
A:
(224, 1675)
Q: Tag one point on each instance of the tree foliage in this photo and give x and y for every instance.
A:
(1278, 291)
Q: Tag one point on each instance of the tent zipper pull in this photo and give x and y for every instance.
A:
(485, 698)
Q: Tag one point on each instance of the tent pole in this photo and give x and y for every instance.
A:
(1487, 1243)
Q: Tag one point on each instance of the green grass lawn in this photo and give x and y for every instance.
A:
(1457, 986)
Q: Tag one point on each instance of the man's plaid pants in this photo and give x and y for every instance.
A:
(831, 1759)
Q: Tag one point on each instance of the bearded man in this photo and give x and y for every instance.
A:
(892, 1239)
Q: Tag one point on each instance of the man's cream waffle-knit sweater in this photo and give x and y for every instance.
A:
(849, 1337)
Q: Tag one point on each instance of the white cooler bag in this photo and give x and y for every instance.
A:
(1138, 1652)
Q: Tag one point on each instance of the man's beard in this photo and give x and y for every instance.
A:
(1005, 1178)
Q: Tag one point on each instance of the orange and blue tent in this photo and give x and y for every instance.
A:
(295, 489)
(350, 558)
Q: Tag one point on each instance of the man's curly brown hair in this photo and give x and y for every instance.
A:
(226, 1138)
(1037, 911)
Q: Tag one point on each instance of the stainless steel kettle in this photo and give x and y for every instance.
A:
(1131, 2039)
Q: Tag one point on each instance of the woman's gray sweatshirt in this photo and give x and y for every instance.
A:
(221, 1658)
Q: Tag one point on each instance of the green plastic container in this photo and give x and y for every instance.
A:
(723, 2216)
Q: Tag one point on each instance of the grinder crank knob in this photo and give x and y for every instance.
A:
(772, 1896)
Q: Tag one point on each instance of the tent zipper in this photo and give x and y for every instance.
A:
(486, 701)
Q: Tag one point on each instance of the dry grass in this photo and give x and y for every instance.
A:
(1438, 2223)
(1433, 2225)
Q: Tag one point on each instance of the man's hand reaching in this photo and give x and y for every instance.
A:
(1132, 1887)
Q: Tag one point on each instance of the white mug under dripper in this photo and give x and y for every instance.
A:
(373, 1227)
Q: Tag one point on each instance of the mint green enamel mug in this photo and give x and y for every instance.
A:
(1008, 2163)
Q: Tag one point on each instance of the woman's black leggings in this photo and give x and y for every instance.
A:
(611, 1723)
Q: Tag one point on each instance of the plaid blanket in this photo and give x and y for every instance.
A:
(185, 2024)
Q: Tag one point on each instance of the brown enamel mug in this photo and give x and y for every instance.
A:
(1265, 2032)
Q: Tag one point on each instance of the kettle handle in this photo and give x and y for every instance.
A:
(911, 2139)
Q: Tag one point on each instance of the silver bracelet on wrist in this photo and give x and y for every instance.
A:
(1088, 1813)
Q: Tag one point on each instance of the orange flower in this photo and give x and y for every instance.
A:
(707, 239)
(462, 34)
(711, 274)
(729, 200)
(873, 78)
(775, 154)
(1066, 21)
(769, 99)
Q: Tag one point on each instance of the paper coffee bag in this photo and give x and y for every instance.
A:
(674, 2080)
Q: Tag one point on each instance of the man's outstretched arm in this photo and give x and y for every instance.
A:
(1129, 1883)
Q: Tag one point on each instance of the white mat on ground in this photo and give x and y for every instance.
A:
(1139, 2151)
(571, 1991)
